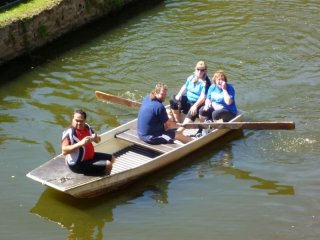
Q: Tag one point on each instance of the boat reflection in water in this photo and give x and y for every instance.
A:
(273, 186)
(83, 219)
(86, 218)
(221, 162)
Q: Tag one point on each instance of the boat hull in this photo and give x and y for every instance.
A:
(132, 163)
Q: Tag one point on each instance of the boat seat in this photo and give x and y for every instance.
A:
(130, 135)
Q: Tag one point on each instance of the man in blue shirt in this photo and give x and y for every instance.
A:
(153, 125)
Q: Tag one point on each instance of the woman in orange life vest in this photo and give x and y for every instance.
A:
(78, 148)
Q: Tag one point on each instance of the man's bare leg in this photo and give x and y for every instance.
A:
(182, 138)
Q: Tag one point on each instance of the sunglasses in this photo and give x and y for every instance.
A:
(200, 70)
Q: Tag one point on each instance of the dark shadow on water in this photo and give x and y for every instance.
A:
(14, 68)
(223, 162)
(86, 218)
(273, 187)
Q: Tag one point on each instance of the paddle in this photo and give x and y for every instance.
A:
(221, 125)
(244, 125)
(118, 100)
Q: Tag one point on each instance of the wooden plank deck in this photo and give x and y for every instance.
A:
(57, 174)
(130, 135)
(131, 157)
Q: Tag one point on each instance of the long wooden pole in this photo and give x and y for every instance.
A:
(221, 125)
(244, 125)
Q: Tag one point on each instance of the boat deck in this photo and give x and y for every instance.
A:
(131, 157)
(55, 173)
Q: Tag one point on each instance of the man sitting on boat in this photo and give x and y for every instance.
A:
(78, 148)
(154, 126)
(220, 102)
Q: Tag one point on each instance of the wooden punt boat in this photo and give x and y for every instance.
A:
(134, 159)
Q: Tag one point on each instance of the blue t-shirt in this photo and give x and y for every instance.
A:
(215, 95)
(194, 89)
(151, 118)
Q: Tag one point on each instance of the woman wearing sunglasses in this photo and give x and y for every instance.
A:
(192, 95)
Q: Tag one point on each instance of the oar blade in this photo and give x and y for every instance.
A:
(117, 100)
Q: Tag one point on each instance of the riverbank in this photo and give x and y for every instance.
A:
(38, 28)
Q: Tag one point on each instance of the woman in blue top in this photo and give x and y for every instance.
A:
(220, 102)
(191, 95)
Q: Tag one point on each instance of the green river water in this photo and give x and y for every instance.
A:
(247, 185)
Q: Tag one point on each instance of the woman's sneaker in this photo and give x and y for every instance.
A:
(199, 133)
(207, 130)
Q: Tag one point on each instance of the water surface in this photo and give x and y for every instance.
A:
(248, 185)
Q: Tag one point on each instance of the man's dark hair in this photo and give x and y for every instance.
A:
(80, 111)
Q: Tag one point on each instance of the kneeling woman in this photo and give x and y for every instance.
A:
(79, 151)
(220, 101)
